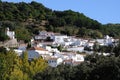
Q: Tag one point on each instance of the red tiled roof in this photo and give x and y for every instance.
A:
(69, 60)
(52, 58)
(37, 48)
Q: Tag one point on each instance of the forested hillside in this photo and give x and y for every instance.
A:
(23, 11)
(32, 17)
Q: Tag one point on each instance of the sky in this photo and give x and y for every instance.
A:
(104, 11)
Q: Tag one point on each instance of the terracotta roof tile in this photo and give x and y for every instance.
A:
(52, 58)
(69, 60)
(37, 48)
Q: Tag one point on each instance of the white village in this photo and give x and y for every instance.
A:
(58, 49)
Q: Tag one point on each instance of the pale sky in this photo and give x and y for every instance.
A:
(104, 11)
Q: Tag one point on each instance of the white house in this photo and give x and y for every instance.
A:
(68, 62)
(35, 52)
(73, 59)
(78, 58)
(51, 49)
(66, 44)
(65, 56)
(79, 49)
(54, 62)
(21, 49)
(40, 37)
(59, 38)
(50, 34)
(43, 35)
(42, 32)
(77, 43)
(90, 45)
(108, 40)
(100, 41)
(11, 34)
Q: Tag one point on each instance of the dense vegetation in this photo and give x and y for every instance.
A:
(3, 35)
(13, 67)
(94, 68)
(23, 11)
(111, 29)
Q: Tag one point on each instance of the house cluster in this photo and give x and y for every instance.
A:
(70, 44)
(70, 48)
(54, 57)
(43, 35)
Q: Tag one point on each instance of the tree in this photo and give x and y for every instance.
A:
(50, 28)
(82, 32)
(23, 34)
(3, 50)
(97, 34)
(9, 66)
(96, 47)
(116, 49)
(30, 68)
(62, 72)
(60, 48)
(3, 36)
(13, 67)
(37, 65)
(106, 69)
(82, 71)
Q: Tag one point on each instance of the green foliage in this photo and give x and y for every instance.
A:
(69, 17)
(8, 63)
(3, 50)
(96, 47)
(22, 34)
(116, 49)
(50, 28)
(12, 67)
(22, 11)
(83, 32)
(106, 69)
(62, 72)
(60, 47)
(111, 29)
(95, 67)
(3, 36)
(70, 30)
(28, 45)
(82, 72)
(25, 11)
(32, 67)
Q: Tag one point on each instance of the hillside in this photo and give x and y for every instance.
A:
(34, 16)
(23, 11)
